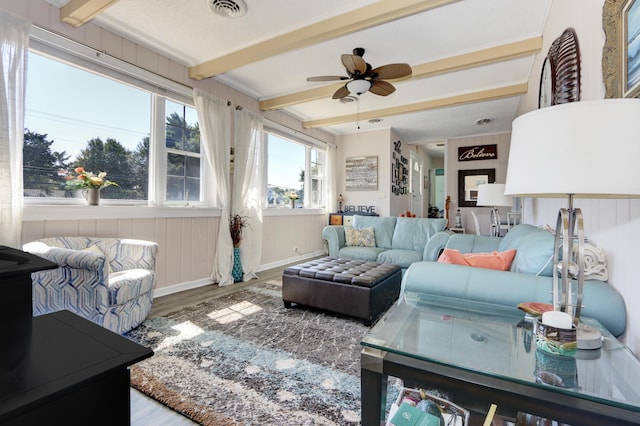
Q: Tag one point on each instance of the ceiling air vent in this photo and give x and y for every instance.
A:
(228, 8)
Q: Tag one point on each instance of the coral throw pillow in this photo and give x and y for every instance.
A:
(360, 237)
(494, 260)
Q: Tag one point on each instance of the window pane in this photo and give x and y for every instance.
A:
(182, 131)
(286, 169)
(317, 182)
(183, 178)
(77, 118)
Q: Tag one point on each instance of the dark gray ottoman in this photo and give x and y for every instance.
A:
(356, 288)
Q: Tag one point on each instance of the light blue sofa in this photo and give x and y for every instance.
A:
(529, 279)
(399, 240)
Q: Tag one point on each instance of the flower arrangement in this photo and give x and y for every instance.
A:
(236, 224)
(87, 180)
(292, 195)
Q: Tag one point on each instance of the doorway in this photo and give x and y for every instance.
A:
(415, 189)
(436, 192)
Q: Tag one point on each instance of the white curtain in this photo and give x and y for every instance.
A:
(14, 45)
(330, 179)
(249, 187)
(214, 119)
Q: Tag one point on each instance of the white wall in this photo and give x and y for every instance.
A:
(361, 144)
(452, 165)
(613, 225)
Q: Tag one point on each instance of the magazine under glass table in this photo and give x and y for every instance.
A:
(486, 354)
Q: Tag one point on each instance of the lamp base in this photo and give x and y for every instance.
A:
(588, 337)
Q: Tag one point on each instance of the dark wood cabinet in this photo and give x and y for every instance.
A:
(74, 373)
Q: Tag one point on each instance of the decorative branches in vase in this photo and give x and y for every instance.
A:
(236, 224)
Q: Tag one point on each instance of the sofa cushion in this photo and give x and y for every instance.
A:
(403, 258)
(364, 253)
(494, 260)
(359, 237)
(414, 233)
(468, 243)
(382, 228)
(534, 249)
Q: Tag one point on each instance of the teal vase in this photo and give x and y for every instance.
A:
(236, 272)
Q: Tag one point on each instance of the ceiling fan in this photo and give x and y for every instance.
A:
(363, 78)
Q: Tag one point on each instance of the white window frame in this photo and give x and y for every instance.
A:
(60, 48)
(309, 143)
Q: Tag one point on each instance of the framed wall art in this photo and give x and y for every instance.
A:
(399, 170)
(468, 181)
(621, 52)
(361, 174)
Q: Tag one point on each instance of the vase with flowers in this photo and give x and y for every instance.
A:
(292, 196)
(236, 224)
(90, 184)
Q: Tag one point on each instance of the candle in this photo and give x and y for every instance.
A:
(557, 319)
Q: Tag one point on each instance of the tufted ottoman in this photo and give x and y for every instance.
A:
(356, 288)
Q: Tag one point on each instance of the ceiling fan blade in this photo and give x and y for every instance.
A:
(327, 78)
(341, 92)
(382, 88)
(393, 71)
(354, 64)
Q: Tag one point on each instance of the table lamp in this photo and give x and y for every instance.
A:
(587, 149)
(340, 201)
(492, 195)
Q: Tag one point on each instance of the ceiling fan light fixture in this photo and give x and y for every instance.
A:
(358, 87)
(228, 8)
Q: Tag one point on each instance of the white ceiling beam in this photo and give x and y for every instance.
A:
(79, 12)
(491, 55)
(465, 98)
(356, 20)
(487, 56)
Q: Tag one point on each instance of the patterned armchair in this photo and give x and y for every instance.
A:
(106, 280)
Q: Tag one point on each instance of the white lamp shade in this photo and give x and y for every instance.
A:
(492, 195)
(358, 87)
(589, 149)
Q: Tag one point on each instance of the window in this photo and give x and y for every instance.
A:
(317, 163)
(76, 116)
(293, 166)
(182, 141)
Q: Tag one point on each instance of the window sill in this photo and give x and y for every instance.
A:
(77, 212)
(292, 212)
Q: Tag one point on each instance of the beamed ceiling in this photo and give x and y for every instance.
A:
(471, 59)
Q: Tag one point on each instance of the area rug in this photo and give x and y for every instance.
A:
(244, 359)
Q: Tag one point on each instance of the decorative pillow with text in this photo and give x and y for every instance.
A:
(364, 237)
(500, 261)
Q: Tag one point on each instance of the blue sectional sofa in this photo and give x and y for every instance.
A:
(398, 240)
(528, 280)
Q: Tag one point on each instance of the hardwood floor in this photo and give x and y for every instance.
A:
(146, 411)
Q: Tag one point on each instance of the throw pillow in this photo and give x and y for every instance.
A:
(359, 237)
(494, 260)
(95, 249)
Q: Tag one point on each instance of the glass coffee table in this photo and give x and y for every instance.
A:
(486, 354)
